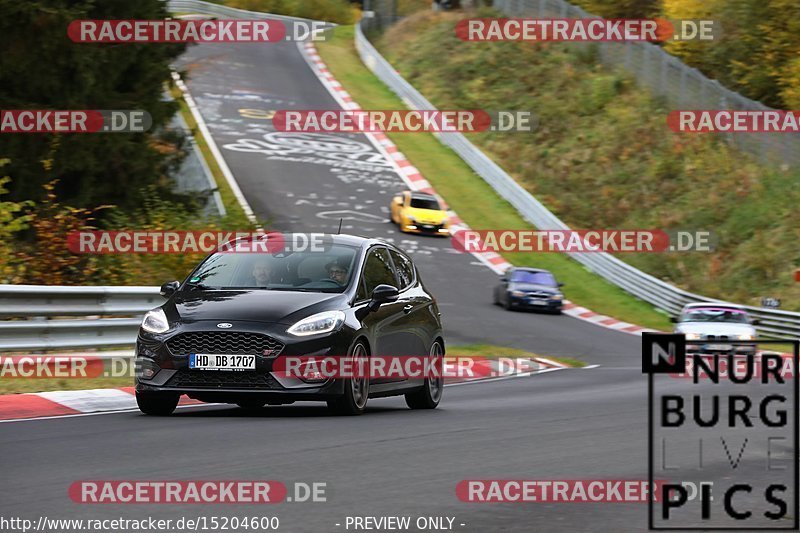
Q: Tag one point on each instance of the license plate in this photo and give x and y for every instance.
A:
(212, 361)
(537, 301)
(718, 347)
(427, 226)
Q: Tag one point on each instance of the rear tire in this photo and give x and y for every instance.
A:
(356, 389)
(157, 403)
(429, 396)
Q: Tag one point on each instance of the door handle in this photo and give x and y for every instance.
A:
(407, 308)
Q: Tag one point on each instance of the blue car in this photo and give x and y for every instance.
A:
(529, 288)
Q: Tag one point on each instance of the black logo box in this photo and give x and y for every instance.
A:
(670, 349)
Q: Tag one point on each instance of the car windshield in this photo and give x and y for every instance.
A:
(309, 271)
(425, 203)
(538, 278)
(715, 314)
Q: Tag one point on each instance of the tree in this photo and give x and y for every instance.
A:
(41, 68)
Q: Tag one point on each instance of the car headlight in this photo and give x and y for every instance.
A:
(518, 294)
(747, 337)
(155, 321)
(324, 322)
(692, 336)
(557, 297)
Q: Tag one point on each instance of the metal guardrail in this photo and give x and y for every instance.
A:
(45, 317)
(774, 323)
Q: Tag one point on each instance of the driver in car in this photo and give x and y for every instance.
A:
(337, 272)
(262, 273)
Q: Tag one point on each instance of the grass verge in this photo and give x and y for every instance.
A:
(488, 350)
(21, 385)
(471, 197)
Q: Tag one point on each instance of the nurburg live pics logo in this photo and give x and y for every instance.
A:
(733, 434)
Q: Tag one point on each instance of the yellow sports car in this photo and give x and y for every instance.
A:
(418, 212)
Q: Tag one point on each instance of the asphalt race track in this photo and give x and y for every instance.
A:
(565, 424)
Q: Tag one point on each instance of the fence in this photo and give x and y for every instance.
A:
(681, 86)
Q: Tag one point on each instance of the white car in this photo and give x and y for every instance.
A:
(713, 325)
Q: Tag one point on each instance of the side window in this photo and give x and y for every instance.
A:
(378, 269)
(405, 270)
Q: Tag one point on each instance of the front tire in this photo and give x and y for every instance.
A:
(157, 404)
(356, 389)
(429, 396)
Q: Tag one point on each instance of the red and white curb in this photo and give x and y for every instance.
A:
(55, 404)
(70, 403)
(586, 315)
(417, 182)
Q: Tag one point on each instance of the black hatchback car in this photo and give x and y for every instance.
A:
(529, 288)
(223, 332)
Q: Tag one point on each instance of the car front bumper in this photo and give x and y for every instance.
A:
(171, 372)
(722, 347)
(544, 304)
(426, 229)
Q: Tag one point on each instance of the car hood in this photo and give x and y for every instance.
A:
(517, 286)
(715, 328)
(431, 216)
(253, 305)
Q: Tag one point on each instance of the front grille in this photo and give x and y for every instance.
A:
(433, 227)
(216, 379)
(537, 294)
(716, 337)
(229, 342)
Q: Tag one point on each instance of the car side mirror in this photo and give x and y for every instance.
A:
(169, 288)
(504, 279)
(560, 284)
(755, 322)
(383, 294)
(673, 319)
